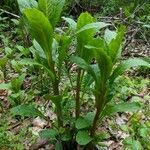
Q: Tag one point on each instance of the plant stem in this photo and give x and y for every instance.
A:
(55, 85)
(71, 83)
(92, 132)
(58, 107)
(99, 108)
(100, 102)
(78, 94)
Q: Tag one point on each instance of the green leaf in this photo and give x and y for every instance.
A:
(133, 62)
(49, 133)
(132, 144)
(109, 35)
(146, 26)
(122, 107)
(104, 63)
(115, 44)
(3, 62)
(38, 50)
(66, 136)
(85, 121)
(82, 64)
(82, 123)
(41, 30)
(71, 23)
(103, 59)
(96, 43)
(52, 9)
(64, 43)
(86, 29)
(8, 51)
(83, 138)
(93, 47)
(16, 83)
(23, 4)
(143, 131)
(16, 66)
(95, 25)
(90, 117)
(146, 59)
(26, 110)
(86, 35)
(5, 86)
(23, 51)
(31, 62)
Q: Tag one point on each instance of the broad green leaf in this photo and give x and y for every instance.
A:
(8, 51)
(3, 62)
(96, 43)
(90, 117)
(104, 63)
(86, 35)
(87, 82)
(16, 66)
(16, 97)
(122, 107)
(52, 9)
(132, 144)
(85, 121)
(109, 35)
(26, 110)
(146, 26)
(49, 133)
(16, 83)
(5, 86)
(64, 43)
(23, 4)
(31, 62)
(23, 51)
(103, 59)
(95, 25)
(83, 138)
(144, 131)
(41, 30)
(92, 47)
(38, 49)
(66, 136)
(71, 23)
(146, 59)
(115, 44)
(82, 123)
(132, 62)
(83, 64)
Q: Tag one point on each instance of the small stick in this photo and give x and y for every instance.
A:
(9, 13)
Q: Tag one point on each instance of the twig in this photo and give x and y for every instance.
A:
(111, 18)
(9, 13)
